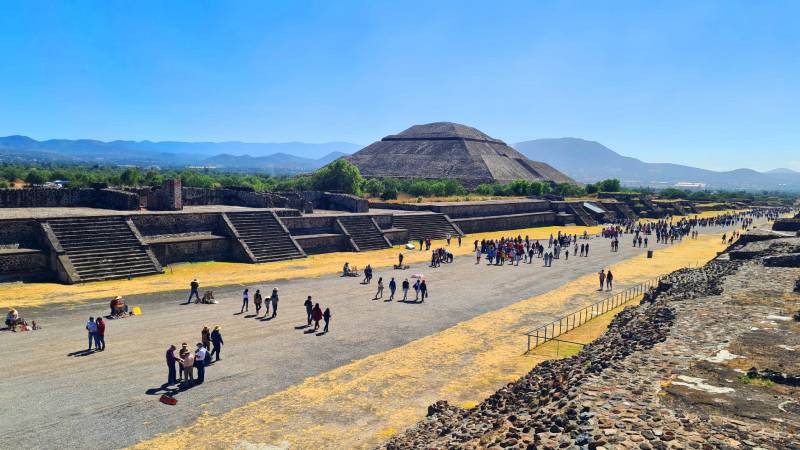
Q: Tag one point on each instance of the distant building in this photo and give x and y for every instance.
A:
(690, 185)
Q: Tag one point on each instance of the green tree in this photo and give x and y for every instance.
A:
(35, 177)
(374, 187)
(131, 176)
(609, 185)
(339, 176)
(3, 184)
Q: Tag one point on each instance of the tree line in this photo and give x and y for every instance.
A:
(339, 176)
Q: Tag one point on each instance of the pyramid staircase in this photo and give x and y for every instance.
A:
(265, 236)
(425, 226)
(584, 217)
(102, 248)
(624, 210)
(364, 232)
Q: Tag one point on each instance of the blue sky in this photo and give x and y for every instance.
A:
(712, 84)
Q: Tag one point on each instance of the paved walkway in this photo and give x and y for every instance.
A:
(109, 399)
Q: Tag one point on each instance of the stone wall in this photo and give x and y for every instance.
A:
(786, 225)
(509, 222)
(214, 249)
(23, 264)
(232, 197)
(19, 233)
(305, 225)
(66, 197)
(324, 243)
(459, 210)
(159, 224)
(336, 202)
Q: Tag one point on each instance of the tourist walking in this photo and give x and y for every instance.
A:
(100, 335)
(609, 280)
(400, 260)
(478, 256)
(379, 294)
(316, 315)
(200, 362)
(257, 300)
(602, 276)
(416, 290)
(172, 360)
(392, 288)
(194, 287)
(586, 253)
(423, 290)
(91, 328)
(367, 274)
(405, 289)
(216, 339)
(245, 300)
(274, 299)
(309, 307)
(326, 316)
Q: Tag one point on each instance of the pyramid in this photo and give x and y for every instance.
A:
(450, 150)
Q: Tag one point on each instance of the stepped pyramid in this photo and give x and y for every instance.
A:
(450, 150)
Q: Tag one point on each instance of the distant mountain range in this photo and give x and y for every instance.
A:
(589, 161)
(289, 157)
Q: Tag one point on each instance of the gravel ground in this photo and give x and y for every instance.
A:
(109, 399)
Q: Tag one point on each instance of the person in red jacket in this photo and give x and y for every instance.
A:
(316, 315)
(100, 335)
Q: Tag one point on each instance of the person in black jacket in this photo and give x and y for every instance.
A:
(309, 308)
(216, 339)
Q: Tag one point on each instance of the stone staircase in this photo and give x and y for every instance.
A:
(584, 217)
(265, 236)
(425, 226)
(679, 210)
(103, 248)
(625, 210)
(364, 232)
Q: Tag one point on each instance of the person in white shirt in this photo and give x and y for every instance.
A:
(200, 363)
(91, 327)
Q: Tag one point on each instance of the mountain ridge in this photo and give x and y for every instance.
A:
(590, 161)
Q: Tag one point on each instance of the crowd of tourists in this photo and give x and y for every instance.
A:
(182, 368)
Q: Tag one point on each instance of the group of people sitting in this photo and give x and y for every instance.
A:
(15, 322)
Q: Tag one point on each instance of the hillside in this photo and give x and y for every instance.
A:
(286, 157)
(589, 161)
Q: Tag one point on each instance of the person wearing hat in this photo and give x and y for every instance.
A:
(200, 362)
(187, 363)
(118, 306)
(274, 299)
(216, 339)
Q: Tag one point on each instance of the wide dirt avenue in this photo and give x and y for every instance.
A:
(110, 399)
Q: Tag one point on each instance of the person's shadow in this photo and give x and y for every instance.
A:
(322, 333)
(81, 353)
(250, 316)
(169, 389)
(266, 318)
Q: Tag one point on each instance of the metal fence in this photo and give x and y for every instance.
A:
(556, 328)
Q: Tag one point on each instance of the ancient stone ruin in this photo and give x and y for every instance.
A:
(450, 150)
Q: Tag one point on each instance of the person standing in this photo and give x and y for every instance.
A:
(274, 299)
(423, 290)
(392, 288)
(257, 300)
(459, 240)
(367, 274)
(405, 289)
(245, 300)
(194, 287)
(416, 291)
(602, 276)
(200, 362)
(379, 294)
(609, 280)
(187, 362)
(216, 339)
(586, 253)
(326, 316)
(400, 260)
(205, 338)
(478, 256)
(91, 328)
(100, 335)
(309, 308)
(316, 315)
(171, 361)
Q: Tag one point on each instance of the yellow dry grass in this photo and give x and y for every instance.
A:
(362, 403)
(211, 274)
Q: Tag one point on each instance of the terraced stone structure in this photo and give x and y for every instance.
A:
(450, 150)
(710, 359)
